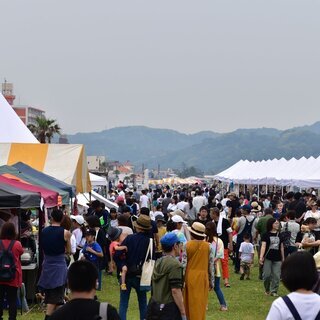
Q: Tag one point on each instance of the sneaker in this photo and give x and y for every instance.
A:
(227, 285)
(274, 294)
(223, 308)
(267, 293)
(242, 277)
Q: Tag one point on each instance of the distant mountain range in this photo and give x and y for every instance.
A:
(208, 151)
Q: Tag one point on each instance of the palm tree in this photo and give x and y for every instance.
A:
(44, 129)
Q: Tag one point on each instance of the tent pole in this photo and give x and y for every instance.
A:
(71, 208)
(41, 217)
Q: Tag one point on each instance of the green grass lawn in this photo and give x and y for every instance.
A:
(246, 299)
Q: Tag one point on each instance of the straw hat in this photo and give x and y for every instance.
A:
(255, 206)
(143, 223)
(198, 229)
(177, 212)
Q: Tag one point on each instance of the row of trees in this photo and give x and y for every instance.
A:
(44, 129)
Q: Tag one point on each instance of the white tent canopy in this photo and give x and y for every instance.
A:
(303, 172)
(12, 129)
(97, 180)
(84, 198)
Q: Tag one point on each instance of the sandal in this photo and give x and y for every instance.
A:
(227, 285)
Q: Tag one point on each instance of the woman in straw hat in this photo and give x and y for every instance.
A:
(199, 261)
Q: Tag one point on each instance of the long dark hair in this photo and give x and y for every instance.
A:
(270, 223)
(190, 202)
(211, 231)
(8, 231)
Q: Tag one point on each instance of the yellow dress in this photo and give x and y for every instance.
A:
(196, 289)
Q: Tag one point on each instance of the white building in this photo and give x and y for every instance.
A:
(95, 162)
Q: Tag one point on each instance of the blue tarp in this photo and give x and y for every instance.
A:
(34, 181)
(45, 178)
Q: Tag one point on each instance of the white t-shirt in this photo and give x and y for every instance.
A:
(126, 230)
(144, 200)
(172, 207)
(224, 202)
(114, 223)
(307, 305)
(316, 215)
(246, 249)
(310, 214)
(78, 235)
(198, 202)
(73, 244)
(182, 205)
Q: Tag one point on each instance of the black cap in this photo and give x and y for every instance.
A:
(113, 233)
(90, 232)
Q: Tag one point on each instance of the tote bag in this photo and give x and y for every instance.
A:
(147, 269)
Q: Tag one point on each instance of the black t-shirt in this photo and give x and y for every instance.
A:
(316, 236)
(83, 309)
(225, 234)
(234, 204)
(273, 242)
(204, 222)
(298, 206)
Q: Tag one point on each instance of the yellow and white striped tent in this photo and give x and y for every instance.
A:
(65, 162)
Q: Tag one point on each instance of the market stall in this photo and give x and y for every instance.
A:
(65, 162)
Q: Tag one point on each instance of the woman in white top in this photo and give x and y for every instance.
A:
(173, 205)
(313, 213)
(299, 274)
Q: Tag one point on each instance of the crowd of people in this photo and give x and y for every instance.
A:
(196, 235)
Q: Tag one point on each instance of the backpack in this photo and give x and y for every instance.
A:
(285, 236)
(7, 264)
(248, 228)
(294, 311)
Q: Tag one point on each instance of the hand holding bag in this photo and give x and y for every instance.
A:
(147, 269)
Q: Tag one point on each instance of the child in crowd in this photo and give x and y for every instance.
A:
(78, 233)
(246, 254)
(113, 218)
(91, 250)
(116, 236)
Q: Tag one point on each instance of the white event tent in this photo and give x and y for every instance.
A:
(303, 172)
(97, 180)
(12, 129)
(84, 198)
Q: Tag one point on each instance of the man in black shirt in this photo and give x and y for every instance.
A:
(233, 204)
(298, 205)
(82, 278)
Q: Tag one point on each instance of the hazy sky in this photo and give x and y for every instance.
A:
(179, 64)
